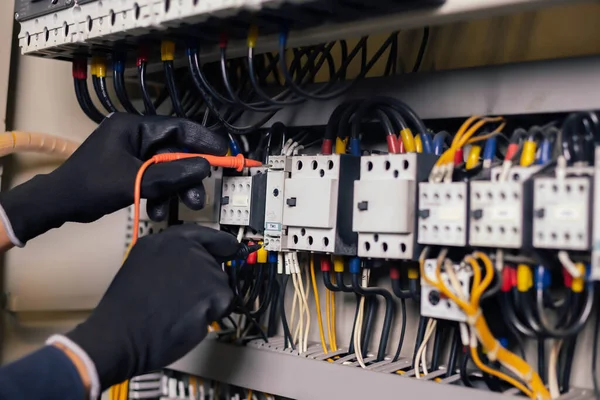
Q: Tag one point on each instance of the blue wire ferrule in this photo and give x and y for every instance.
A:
(427, 143)
(272, 257)
(119, 65)
(542, 278)
(545, 152)
(283, 36)
(438, 142)
(489, 150)
(234, 263)
(355, 147)
(355, 265)
(233, 146)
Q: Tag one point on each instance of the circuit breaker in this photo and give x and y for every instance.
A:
(436, 305)
(443, 212)
(279, 170)
(209, 214)
(561, 212)
(243, 201)
(501, 210)
(384, 204)
(318, 204)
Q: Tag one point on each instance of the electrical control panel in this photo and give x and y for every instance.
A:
(384, 204)
(64, 28)
(243, 201)
(279, 170)
(501, 210)
(595, 271)
(561, 212)
(318, 204)
(435, 304)
(443, 213)
(209, 214)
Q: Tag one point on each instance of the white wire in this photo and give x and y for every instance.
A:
(245, 144)
(304, 303)
(240, 234)
(568, 264)
(553, 371)
(290, 150)
(285, 146)
(366, 273)
(423, 359)
(297, 150)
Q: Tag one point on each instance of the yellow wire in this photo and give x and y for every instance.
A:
(328, 315)
(333, 329)
(317, 304)
(478, 322)
(249, 394)
(498, 374)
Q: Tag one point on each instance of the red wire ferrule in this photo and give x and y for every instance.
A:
(325, 264)
(511, 151)
(401, 148)
(394, 273)
(223, 40)
(459, 157)
(392, 142)
(327, 147)
(251, 259)
(80, 68)
(567, 278)
(143, 55)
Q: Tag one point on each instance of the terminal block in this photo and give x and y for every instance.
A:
(279, 170)
(443, 211)
(209, 214)
(433, 303)
(561, 212)
(384, 204)
(500, 210)
(318, 204)
(243, 201)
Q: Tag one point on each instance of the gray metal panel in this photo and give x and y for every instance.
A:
(301, 378)
(532, 87)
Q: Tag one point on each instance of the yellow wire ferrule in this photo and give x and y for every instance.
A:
(408, 140)
(252, 36)
(578, 284)
(528, 154)
(418, 143)
(340, 145)
(261, 255)
(338, 264)
(413, 273)
(94, 66)
(473, 158)
(167, 50)
(524, 278)
(101, 68)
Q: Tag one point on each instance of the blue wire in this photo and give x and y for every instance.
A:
(427, 145)
(489, 151)
(438, 142)
(545, 152)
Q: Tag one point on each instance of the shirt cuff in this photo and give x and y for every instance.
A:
(85, 359)
(9, 229)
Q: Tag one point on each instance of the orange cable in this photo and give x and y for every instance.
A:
(238, 162)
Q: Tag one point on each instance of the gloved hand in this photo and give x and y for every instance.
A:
(98, 178)
(159, 305)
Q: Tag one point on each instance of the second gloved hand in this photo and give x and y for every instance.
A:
(98, 178)
(160, 303)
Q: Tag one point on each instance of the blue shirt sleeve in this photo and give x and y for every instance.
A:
(47, 374)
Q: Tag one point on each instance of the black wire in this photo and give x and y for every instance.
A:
(569, 352)
(341, 286)
(260, 92)
(195, 69)
(456, 344)
(316, 94)
(422, 49)
(464, 373)
(102, 93)
(541, 359)
(148, 104)
(371, 306)
(437, 344)
(86, 105)
(172, 88)
(286, 329)
(121, 91)
(402, 330)
(511, 321)
(390, 307)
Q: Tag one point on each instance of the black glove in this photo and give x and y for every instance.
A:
(98, 178)
(159, 304)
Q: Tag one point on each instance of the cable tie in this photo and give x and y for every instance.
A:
(472, 319)
(493, 353)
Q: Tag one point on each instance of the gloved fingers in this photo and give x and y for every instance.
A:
(158, 209)
(219, 244)
(169, 178)
(157, 132)
(193, 198)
